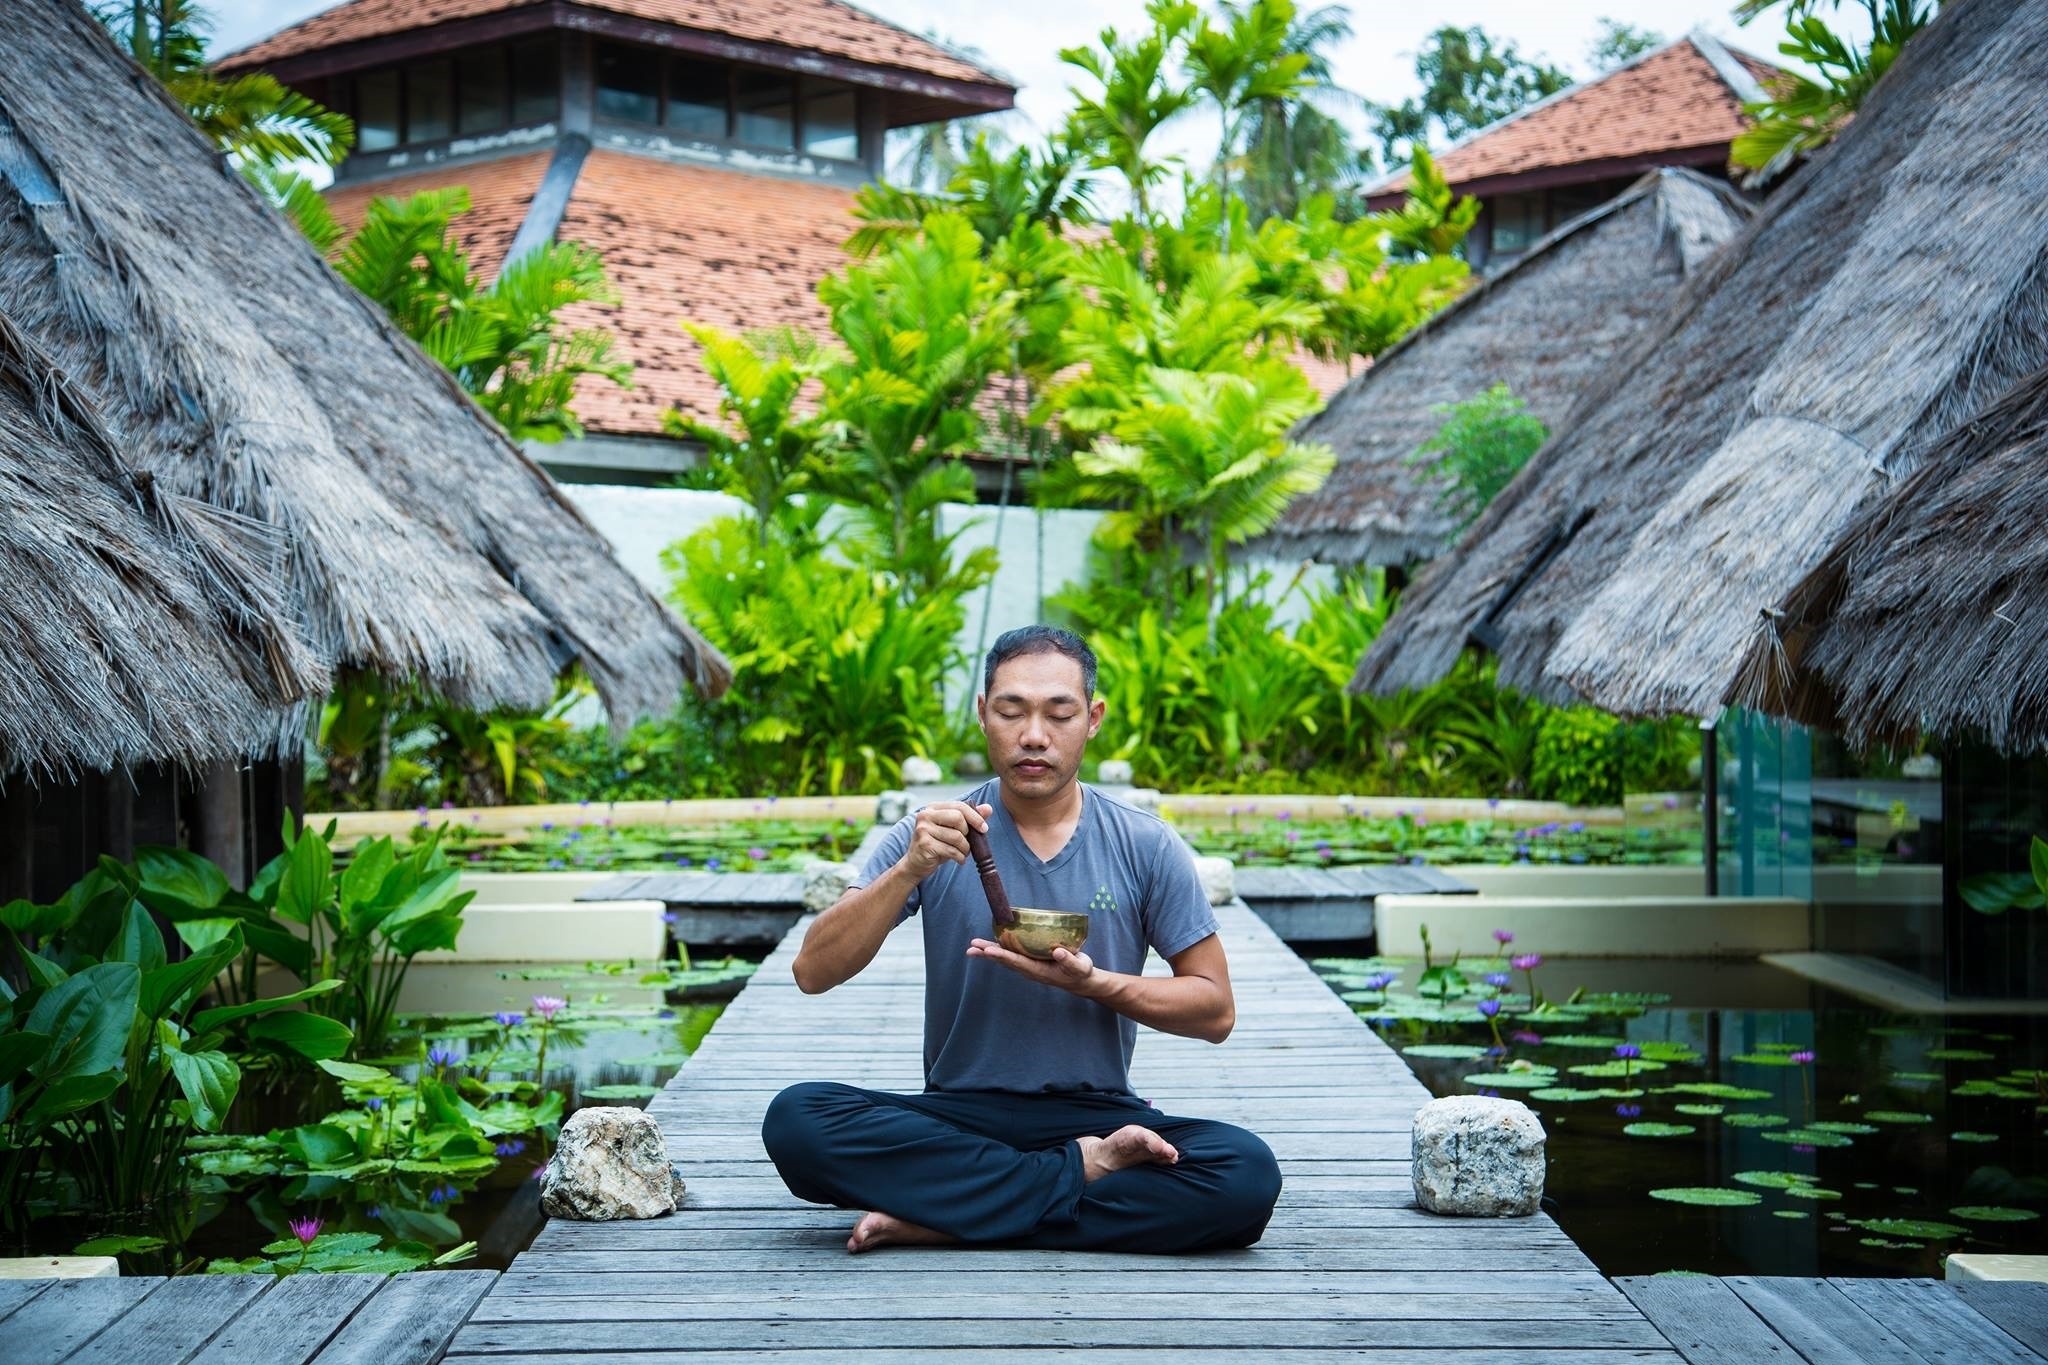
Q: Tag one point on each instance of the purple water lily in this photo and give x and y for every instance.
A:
(1379, 981)
(510, 1147)
(509, 1018)
(1629, 1111)
(1503, 937)
(305, 1229)
(1489, 1008)
(1802, 1058)
(1498, 980)
(1528, 962)
(1627, 1052)
(757, 853)
(548, 1006)
(1526, 1038)
(440, 1057)
(374, 1103)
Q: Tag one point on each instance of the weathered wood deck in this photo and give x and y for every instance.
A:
(745, 1271)
(1745, 1319)
(237, 1319)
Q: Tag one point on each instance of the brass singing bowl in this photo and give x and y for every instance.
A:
(1037, 932)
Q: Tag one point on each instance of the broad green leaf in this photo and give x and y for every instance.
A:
(169, 989)
(209, 1079)
(324, 1144)
(71, 1094)
(307, 887)
(1994, 893)
(19, 1051)
(38, 921)
(1708, 1196)
(184, 875)
(119, 1244)
(1461, 1052)
(1923, 1229)
(1994, 1213)
(361, 884)
(352, 1071)
(1773, 1180)
(1659, 1130)
(1712, 1090)
(87, 1018)
(1896, 1116)
(310, 1035)
(213, 1018)
(139, 940)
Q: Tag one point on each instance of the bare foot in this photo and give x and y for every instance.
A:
(880, 1230)
(1130, 1145)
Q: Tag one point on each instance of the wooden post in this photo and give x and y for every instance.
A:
(219, 826)
(17, 839)
(116, 800)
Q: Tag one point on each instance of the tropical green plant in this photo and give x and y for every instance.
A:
(107, 1060)
(1994, 893)
(1469, 79)
(995, 191)
(1578, 757)
(1618, 44)
(1483, 443)
(770, 462)
(503, 340)
(353, 935)
(1297, 147)
(1137, 95)
(1243, 63)
(1801, 113)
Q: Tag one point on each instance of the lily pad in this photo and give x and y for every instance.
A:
(1840, 1126)
(1596, 1042)
(1959, 1054)
(1512, 1080)
(1615, 1068)
(620, 1092)
(1708, 1196)
(1659, 1130)
(1756, 1120)
(1762, 1058)
(1896, 1116)
(1994, 1213)
(1922, 1229)
(1669, 1052)
(1714, 1090)
(1773, 1180)
(1995, 1089)
(1806, 1137)
(1457, 1052)
(1813, 1192)
(1967, 1136)
(1790, 1213)
(1705, 1111)
(1916, 1076)
(1890, 1245)
(1564, 1094)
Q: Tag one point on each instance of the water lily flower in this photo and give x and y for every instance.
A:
(1489, 1008)
(439, 1057)
(1577, 827)
(547, 827)
(510, 1147)
(1498, 980)
(305, 1229)
(1627, 1052)
(1802, 1058)
(1379, 981)
(1528, 962)
(1503, 937)
(1524, 1036)
(509, 1018)
(757, 853)
(374, 1103)
(440, 1194)
(1628, 1111)
(712, 864)
(374, 1211)
(548, 1006)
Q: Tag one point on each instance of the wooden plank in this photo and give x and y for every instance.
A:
(1819, 1322)
(1935, 1321)
(914, 1272)
(410, 1319)
(174, 1321)
(69, 1314)
(2019, 1307)
(1090, 1355)
(15, 1293)
(1705, 1321)
(289, 1325)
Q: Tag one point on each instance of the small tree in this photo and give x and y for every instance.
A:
(769, 463)
(1482, 445)
(1803, 114)
(1137, 95)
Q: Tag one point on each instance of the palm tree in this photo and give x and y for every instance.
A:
(1245, 63)
(1803, 114)
(1295, 147)
(1137, 96)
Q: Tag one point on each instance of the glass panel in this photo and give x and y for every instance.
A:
(628, 83)
(1517, 222)
(481, 76)
(377, 110)
(697, 97)
(832, 125)
(429, 102)
(762, 109)
(536, 81)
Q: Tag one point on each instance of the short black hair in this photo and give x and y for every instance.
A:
(1040, 640)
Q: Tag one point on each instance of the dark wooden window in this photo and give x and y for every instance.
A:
(1518, 220)
(536, 70)
(483, 102)
(764, 110)
(430, 101)
(376, 110)
(831, 120)
(699, 95)
(628, 83)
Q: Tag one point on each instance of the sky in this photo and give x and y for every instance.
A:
(1023, 40)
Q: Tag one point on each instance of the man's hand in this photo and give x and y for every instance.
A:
(1073, 972)
(940, 836)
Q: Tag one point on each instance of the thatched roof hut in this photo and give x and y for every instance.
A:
(1896, 283)
(139, 625)
(1546, 327)
(1930, 614)
(235, 369)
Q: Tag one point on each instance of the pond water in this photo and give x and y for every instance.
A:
(1768, 1126)
(596, 844)
(1261, 839)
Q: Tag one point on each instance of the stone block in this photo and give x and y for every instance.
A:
(973, 763)
(1143, 798)
(1114, 772)
(921, 772)
(891, 806)
(1478, 1157)
(1219, 879)
(610, 1163)
(824, 882)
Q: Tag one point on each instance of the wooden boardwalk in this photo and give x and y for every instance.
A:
(237, 1319)
(746, 1272)
(1743, 1320)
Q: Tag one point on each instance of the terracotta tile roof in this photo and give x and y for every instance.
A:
(499, 191)
(825, 26)
(1674, 99)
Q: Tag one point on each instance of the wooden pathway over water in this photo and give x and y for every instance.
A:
(746, 1272)
(1767, 1320)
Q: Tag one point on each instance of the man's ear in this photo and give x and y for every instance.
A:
(1096, 710)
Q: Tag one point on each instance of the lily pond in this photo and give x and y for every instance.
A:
(1740, 1120)
(1257, 839)
(432, 1152)
(598, 845)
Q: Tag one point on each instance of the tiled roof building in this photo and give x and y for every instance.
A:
(708, 149)
(1677, 105)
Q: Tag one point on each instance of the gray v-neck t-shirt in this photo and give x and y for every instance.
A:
(986, 1027)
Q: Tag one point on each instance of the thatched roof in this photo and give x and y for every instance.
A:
(1546, 327)
(138, 625)
(1930, 615)
(237, 370)
(1893, 285)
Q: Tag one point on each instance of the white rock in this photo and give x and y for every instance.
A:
(1218, 877)
(1114, 772)
(921, 772)
(891, 806)
(973, 763)
(1143, 798)
(824, 882)
(1921, 767)
(611, 1163)
(1478, 1157)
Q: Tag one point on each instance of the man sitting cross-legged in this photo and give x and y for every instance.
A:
(1027, 1133)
